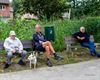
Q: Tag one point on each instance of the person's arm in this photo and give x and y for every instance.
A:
(7, 46)
(76, 35)
(35, 38)
(44, 38)
(20, 44)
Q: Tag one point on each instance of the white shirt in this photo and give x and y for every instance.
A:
(11, 44)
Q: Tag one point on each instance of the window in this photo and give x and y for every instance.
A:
(2, 7)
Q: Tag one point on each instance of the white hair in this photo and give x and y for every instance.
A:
(37, 25)
(82, 27)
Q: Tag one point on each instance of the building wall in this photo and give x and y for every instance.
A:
(5, 12)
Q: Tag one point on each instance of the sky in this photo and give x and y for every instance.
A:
(10, 0)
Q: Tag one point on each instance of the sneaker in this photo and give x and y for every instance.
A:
(6, 66)
(21, 63)
(57, 57)
(49, 64)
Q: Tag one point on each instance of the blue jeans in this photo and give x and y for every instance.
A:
(91, 47)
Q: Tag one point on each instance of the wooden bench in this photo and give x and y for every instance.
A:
(27, 44)
(72, 43)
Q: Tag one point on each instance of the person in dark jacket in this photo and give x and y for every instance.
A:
(84, 39)
(41, 44)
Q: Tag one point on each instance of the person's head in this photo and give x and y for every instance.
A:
(12, 35)
(38, 28)
(82, 29)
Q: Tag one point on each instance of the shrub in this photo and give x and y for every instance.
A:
(24, 29)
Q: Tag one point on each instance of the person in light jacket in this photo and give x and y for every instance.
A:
(14, 46)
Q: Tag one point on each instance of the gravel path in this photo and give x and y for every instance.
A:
(81, 71)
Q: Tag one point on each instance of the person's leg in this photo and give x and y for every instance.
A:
(9, 56)
(47, 55)
(48, 43)
(89, 45)
(8, 63)
(93, 48)
(47, 51)
(23, 57)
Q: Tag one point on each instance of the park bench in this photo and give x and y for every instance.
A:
(72, 43)
(27, 44)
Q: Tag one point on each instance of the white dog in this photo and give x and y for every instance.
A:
(33, 59)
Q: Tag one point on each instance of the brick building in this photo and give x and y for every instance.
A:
(5, 9)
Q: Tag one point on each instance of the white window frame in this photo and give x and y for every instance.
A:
(2, 7)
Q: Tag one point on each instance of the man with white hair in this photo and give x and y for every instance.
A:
(84, 39)
(14, 46)
(41, 44)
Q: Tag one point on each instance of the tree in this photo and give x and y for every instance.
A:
(85, 8)
(42, 8)
(17, 7)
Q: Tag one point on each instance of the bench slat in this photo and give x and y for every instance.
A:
(26, 44)
(70, 40)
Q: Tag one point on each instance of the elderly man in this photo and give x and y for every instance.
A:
(41, 44)
(84, 39)
(14, 46)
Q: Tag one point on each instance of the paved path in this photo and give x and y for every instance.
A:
(82, 71)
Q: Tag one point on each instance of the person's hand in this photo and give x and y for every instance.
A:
(82, 38)
(20, 51)
(78, 37)
(14, 51)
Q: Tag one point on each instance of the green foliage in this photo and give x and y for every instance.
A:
(68, 27)
(24, 29)
(81, 8)
(17, 7)
(42, 8)
(92, 25)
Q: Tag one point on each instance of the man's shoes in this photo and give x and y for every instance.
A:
(49, 64)
(21, 63)
(6, 66)
(92, 54)
(57, 57)
(98, 55)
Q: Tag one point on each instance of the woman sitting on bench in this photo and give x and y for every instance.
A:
(41, 44)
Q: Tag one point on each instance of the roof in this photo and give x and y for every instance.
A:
(4, 1)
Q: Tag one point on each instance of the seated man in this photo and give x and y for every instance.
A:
(41, 44)
(84, 39)
(14, 46)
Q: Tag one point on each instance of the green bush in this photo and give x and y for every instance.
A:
(68, 27)
(24, 29)
(92, 25)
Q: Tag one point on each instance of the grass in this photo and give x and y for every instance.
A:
(68, 59)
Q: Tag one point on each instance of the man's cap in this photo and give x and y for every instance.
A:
(12, 33)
